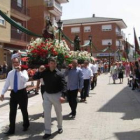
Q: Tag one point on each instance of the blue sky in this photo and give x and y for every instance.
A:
(128, 10)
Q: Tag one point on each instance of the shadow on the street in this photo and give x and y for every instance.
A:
(132, 135)
(40, 137)
(124, 102)
(35, 129)
(36, 116)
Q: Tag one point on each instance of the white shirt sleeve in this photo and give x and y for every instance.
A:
(6, 85)
(91, 73)
(24, 76)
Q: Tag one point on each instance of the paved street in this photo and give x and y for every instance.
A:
(112, 112)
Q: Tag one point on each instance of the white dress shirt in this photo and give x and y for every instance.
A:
(22, 79)
(95, 68)
(87, 73)
(91, 67)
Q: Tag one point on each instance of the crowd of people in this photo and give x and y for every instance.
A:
(57, 87)
(54, 88)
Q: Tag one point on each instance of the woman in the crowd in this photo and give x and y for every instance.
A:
(120, 72)
(127, 69)
(114, 72)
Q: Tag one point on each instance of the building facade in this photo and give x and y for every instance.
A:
(102, 30)
(10, 37)
(41, 10)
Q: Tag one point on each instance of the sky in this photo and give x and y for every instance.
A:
(128, 10)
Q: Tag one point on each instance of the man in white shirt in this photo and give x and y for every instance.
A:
(95, 73)
(88, 75)
(17, 79)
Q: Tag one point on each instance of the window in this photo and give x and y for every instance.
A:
(87, 29)
(117, 43)
(118, 30)
(106, 41)
(19, 3)
(106, 27)
(2, 21)
(75, 30)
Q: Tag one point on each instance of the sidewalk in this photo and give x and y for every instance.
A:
(112, 112)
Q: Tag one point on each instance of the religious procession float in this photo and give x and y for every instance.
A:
(41, 49)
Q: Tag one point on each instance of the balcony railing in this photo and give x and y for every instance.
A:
(18, 35)
(53, 3)
(120, 34)
(19, 7)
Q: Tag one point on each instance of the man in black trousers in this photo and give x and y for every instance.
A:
(17, 79)
(74, 84)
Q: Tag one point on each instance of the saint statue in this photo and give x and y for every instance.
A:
(49, 30)
(77, 43)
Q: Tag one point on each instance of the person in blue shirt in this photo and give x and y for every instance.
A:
(74, 84)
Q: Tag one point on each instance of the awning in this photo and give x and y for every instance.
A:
(23, 52)
(24, 59)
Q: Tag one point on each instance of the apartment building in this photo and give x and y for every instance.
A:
(103, 31)
(4, 28)
(10, 37)
(41, 10)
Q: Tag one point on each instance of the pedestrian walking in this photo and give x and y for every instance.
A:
(114, 72)
(74, 84)
(120, 72)
(127, 69)
(88, 76)
(55, 87)
(17, 79)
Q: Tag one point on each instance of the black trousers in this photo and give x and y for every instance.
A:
(94, 82)
(85, 89)
(21, 98)
(72, 99)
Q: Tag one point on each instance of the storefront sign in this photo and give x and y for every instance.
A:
(104, 54)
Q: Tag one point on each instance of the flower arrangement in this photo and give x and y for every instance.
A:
(40, 50)
(79, 55)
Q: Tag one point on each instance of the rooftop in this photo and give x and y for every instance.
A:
(94, 20)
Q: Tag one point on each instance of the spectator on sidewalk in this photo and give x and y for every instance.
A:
(88, 76)
(127, 69)
(114, 72)
(0, 69)
(74, 84)
(120, 72)
(17, 79)
(5, 69)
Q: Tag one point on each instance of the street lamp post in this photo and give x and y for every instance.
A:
(119, 50)
(59, 24)
(90, 39)
(109, 55)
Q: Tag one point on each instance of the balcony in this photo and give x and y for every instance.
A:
(18, 35)
(54, 7)
(120, 35)
(19, 7)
